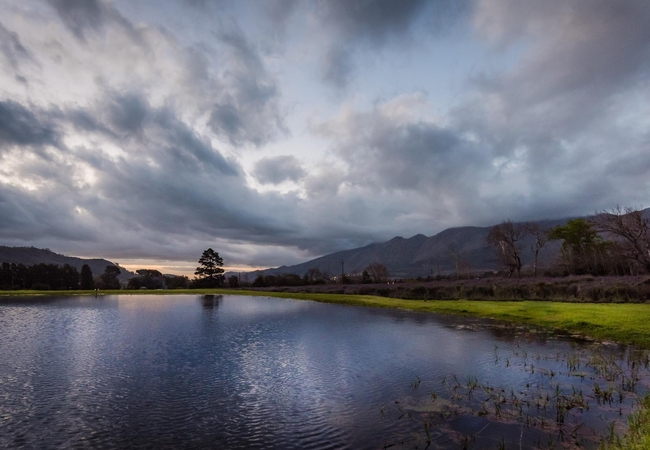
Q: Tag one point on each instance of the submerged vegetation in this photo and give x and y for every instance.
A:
(574, 399)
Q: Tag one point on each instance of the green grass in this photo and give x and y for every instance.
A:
(624, 323)
(638, 435)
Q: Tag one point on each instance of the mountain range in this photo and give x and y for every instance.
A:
(405, 258)
(422, 256)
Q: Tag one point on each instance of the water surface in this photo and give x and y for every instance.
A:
(192, 371)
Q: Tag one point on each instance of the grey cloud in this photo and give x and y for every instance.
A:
(12, 49)
(127, 113)
(277, 169)
(20, 126)
(338, 66)
(355, 24)
(248, 113)
(85, 18)
(375, 20)
(279, 11)
(80, 15)
(170, 182)
(565, 81)
(181, 140)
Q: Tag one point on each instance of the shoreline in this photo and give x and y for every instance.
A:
(624, 323)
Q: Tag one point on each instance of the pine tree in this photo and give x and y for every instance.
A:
(87, 282)
(210, 273)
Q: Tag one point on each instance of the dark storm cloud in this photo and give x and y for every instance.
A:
(127, 113)
(169, 181)
(277, 169)
(248, 112)
(372, 20)
(356, 25)
(20, 126)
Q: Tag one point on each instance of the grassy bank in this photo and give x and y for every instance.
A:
(625, 323)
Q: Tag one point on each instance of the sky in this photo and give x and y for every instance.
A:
(277, 131)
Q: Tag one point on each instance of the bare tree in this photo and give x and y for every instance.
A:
(632, 231)
(540, 237)
(506, 238)
(459, 260)
(454, 256)
(378, 272)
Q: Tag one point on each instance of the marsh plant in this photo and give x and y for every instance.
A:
(568, 400)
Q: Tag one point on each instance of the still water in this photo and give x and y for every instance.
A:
(250, 372)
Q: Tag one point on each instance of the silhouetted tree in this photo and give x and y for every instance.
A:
(177, 282)
(69, 277)
(540, 238)
(365, 277)
(505, 238)
(378, 272)
(86, 278)
(313, 276)
(109, 277)
(632, 232)
(233, 281)
(210, 273)
(583, 249)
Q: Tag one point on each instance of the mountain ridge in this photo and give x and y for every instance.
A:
(420, 255)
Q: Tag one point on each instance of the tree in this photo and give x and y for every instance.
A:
(540, 238)
(313, 275)
(86, 278)
(582, 247)
(210, 273)
(233, 281)
(148, 279)
(176, 281)
(365, 277)
(109, 277)
(506, 238)
(631, 229)
(378, 272)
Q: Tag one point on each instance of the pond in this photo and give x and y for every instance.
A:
(243, 372)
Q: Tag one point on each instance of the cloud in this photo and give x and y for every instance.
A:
(248, 112)
(275, 170)
(20, 126)
(89, 18)
(356, 25)
(80, 16)
(12, 49)
(130, 137)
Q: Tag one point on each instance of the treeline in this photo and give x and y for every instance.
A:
(53, 277)
(613, 242)
(39, 276)
(374, 273)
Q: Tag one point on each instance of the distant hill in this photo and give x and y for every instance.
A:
(421, 255)
(30, 256)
